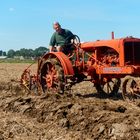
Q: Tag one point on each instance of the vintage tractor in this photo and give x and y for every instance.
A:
(110, 64)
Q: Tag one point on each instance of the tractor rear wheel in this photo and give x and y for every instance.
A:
(52, 76)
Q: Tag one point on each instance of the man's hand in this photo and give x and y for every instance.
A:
(52, 49)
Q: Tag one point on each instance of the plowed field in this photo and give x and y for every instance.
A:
(79, 114)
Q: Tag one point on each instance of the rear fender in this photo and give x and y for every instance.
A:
(64, 60)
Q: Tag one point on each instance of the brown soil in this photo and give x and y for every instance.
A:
(80, 114)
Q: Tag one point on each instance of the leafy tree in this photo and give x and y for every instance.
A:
(28, 53)
(24, 52)
(31, 53)
(11, 53)
(18, 53)
(40, 51)
(4, 53)
(0, 52)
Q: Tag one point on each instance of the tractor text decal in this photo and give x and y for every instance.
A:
(112, 69)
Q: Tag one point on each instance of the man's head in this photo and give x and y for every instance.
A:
(57, 26)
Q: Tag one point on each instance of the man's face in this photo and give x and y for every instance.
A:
(57, 28)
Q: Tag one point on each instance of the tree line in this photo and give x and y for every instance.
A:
(26, 53)
(2, 53)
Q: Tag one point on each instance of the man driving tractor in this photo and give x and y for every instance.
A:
(60, 40)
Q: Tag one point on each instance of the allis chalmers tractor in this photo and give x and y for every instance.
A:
(110, 64)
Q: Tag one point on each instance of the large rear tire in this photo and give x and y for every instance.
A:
(52, 76)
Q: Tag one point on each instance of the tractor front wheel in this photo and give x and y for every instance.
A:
(109, 88)
(131, 89)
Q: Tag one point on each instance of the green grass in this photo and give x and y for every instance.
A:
(16, 61)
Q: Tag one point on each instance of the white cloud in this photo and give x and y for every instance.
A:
(11, 9)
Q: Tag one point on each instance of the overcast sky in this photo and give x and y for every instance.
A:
(28, 23)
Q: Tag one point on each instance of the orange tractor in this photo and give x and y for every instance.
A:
(110, 64)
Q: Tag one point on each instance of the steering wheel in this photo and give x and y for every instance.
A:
(72, 43)
(73, 40)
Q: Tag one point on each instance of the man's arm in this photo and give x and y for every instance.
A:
(69, 33)
(52, 48)
(52, 43)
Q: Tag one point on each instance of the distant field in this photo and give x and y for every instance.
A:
(16, 61)
(13, 71)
